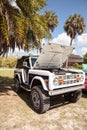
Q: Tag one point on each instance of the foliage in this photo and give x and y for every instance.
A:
(12, 27)
(85, 58)
(52, 20)
(22, 26)
(74, 25)
(78, 66)
(8, 62)
(30, 7)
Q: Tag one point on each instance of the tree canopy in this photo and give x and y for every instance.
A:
(74, 25)
(22, 26)
(52, 20)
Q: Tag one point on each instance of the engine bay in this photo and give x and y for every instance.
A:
(62, 71)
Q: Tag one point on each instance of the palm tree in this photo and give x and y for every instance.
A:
(23, 26)
(12, 27)
(37, 23)
(52, 20)
(74, 25)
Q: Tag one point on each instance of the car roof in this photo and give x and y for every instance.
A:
(25, 57)
(22, 59)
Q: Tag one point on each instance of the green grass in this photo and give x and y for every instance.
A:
(7, 73)
(6, 76)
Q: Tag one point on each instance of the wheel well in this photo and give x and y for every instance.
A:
(16, 76)
(36, 82)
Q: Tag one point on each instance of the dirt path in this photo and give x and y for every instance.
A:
(16, 114)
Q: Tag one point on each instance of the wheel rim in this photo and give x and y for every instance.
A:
(36, 100)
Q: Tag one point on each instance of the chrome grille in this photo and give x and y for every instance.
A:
(70, 79)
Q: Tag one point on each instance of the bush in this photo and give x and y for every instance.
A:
(78, 66)
(8, 62)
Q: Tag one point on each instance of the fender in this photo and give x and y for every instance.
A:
(42, 82)
(18, 75)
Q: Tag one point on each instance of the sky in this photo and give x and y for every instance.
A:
(63, 9)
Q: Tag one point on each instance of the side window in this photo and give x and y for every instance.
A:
(28, 63)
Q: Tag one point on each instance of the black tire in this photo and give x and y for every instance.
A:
(73, 96)
(17, 87)
(40, 102)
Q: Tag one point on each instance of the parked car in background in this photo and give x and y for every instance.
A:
(85, 70)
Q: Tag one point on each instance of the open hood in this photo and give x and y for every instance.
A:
(53, 56)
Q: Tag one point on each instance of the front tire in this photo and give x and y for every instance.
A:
(73, 96)
(40, 102)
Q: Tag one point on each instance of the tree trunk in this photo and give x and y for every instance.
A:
(71, 41)
(67, 58)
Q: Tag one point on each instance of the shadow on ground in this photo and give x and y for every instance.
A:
(26, 97)
(5, 85)
(56, 101)
(84, 94)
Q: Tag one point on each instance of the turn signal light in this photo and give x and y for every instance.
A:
(46, 80)
(78, 79)
(61, 80)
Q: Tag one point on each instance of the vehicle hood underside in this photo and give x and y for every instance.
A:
(53, 56)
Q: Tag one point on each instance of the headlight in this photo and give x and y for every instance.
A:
(55, 82)
(58, 81)
(82, 77)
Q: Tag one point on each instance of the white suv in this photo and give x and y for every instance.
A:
(44, 76)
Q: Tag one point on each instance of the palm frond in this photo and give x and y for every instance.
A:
(52, 20)
(4, 30)
(30, 7)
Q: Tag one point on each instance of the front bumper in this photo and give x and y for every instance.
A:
(65, 90)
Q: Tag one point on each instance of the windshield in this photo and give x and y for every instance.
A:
(33, 60)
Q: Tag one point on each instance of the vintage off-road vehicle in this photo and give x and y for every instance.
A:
(44, 76)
